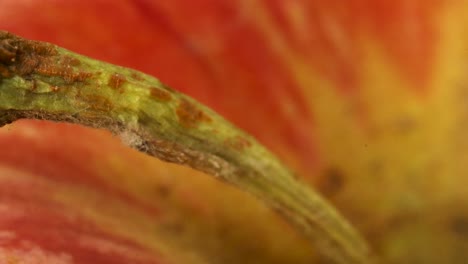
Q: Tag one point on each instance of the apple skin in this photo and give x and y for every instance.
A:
(364, 99)
(39, 225)
(72, 194)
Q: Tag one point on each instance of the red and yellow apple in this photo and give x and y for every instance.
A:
(365, 99)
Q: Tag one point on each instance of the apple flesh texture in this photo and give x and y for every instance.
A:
(364, 99)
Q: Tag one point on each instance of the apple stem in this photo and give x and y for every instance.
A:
(42, 81)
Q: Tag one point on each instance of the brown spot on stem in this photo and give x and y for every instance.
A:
(137, 76)
(159, 94)
(20, 56)
(98, 103)
(25, 57)
(167, 88)
(7, 51)
(66, 72)
(116, 81)
(189, 114)
(68, 60)
(4, 73)
(239, 143)
(34, 85)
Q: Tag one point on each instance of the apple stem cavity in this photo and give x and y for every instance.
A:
(42, 81)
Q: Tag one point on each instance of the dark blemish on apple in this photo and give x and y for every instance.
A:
(331, 182)
(116, 81)
(189, 114)
(175, 227)
(459, 225)
(160, 94)
(404, 125)
(163, 190)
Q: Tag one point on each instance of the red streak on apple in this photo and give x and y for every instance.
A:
(35, 229)
(37, 162)
(79, 160)
(329, 34)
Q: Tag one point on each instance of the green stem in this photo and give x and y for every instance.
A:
(42, 81)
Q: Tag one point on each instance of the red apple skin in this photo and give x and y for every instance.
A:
(70, 194)
(364, 99)
(35, 229)
(36, 225)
